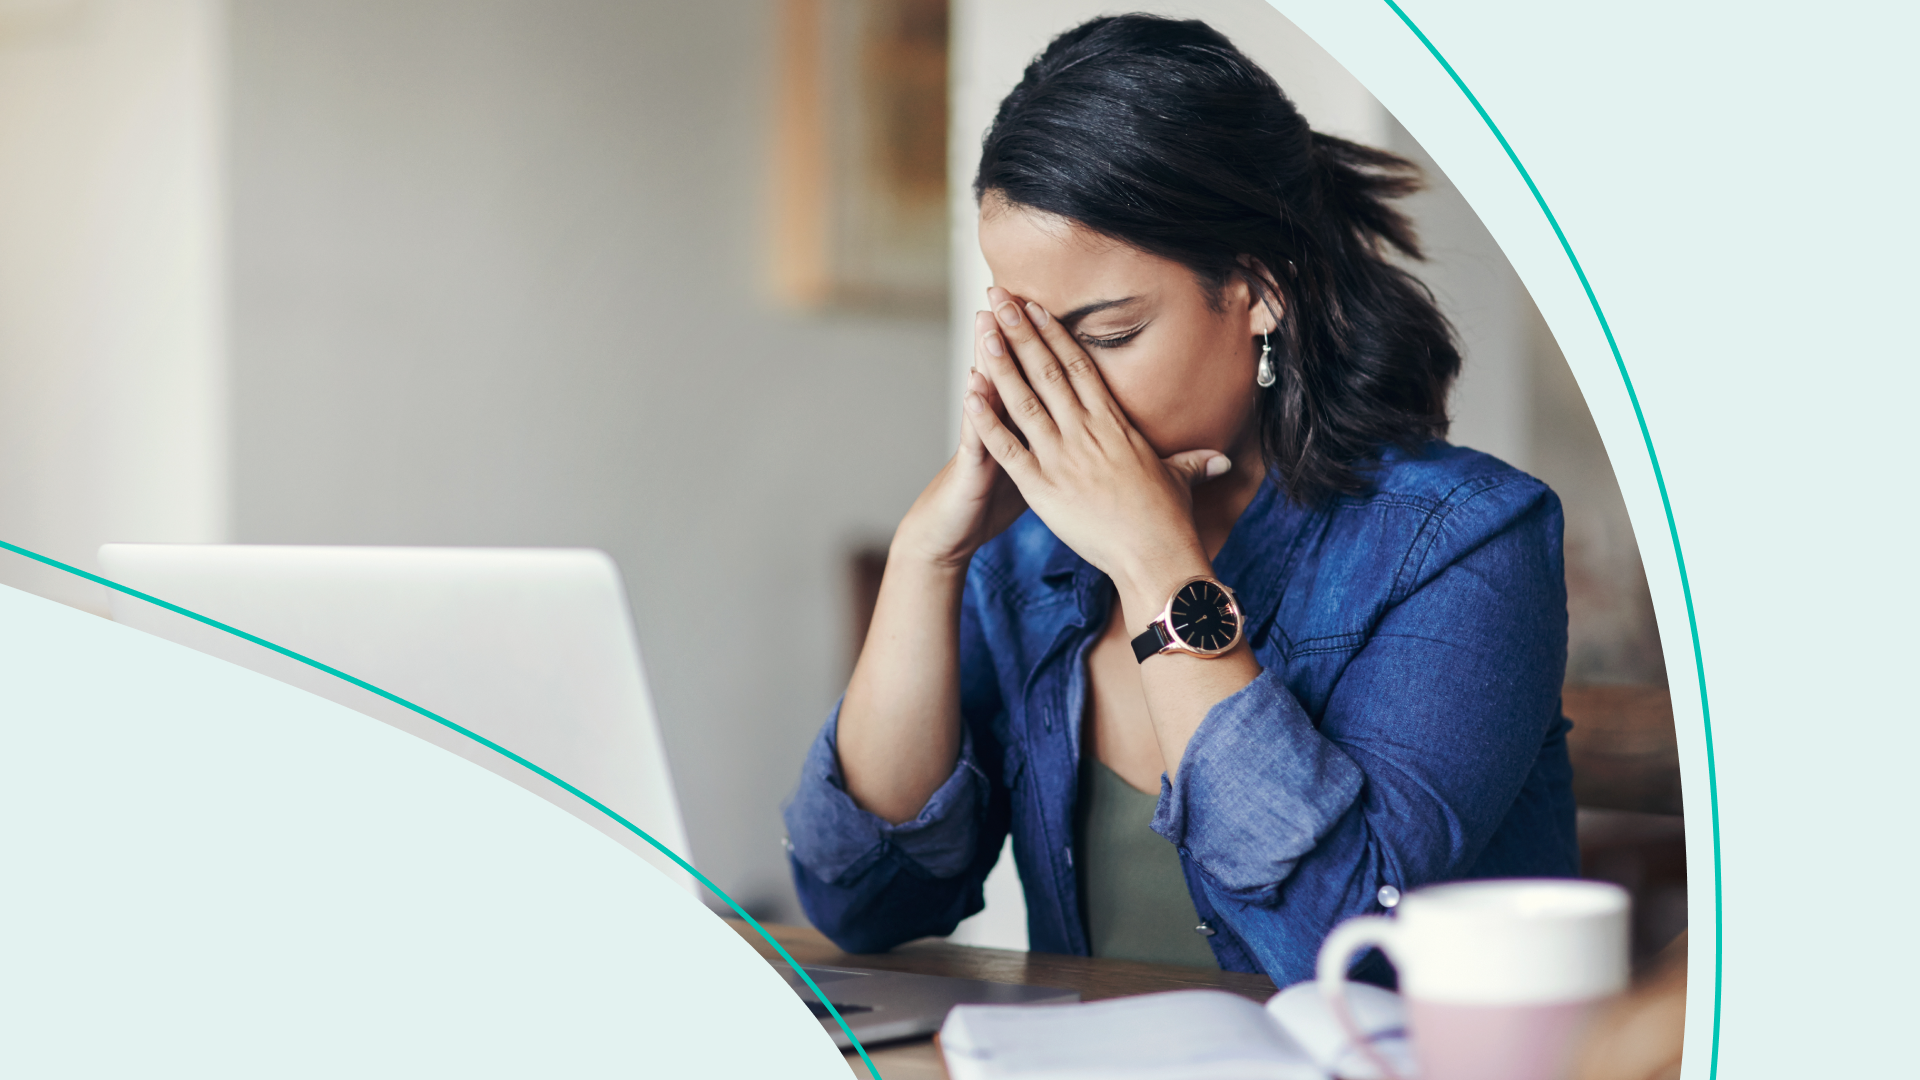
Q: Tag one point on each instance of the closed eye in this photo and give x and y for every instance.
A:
(1113, 341)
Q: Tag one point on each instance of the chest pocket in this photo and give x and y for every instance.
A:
(1310, 668)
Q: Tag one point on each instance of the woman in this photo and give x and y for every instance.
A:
(1201, 559)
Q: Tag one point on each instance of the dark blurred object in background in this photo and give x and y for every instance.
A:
(865, 567)
(1646, 854)
(1626, 780)
(1623, 750)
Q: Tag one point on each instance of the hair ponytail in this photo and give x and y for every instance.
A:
(1161, 134)
(1355, 184)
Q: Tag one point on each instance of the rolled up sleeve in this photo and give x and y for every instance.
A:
(1256, 791)
(869, 884)
(837, 841)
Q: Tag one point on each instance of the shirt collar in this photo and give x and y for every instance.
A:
(1062, 564)
(1259, 554)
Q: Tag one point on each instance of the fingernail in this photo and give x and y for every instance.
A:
(1218, 467)
(1008, 313)
(1037, 313)
(973, 403)
(994, 346)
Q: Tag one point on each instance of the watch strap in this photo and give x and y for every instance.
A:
(1153, 642)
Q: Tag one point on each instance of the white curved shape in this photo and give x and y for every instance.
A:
(212, 873)
(532, 648)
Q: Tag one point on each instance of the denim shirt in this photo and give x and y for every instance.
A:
(1405, 728)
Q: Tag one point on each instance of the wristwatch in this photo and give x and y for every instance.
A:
(1202, 618)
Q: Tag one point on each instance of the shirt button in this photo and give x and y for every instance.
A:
(1204, 930)
(1388, 896)
(1068, 852)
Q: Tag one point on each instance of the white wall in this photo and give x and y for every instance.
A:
(498, 275)
(1492, 403)
(112, 381)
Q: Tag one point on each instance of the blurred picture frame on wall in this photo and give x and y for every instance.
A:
(859, 160)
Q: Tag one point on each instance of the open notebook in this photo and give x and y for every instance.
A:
(1186, 1034)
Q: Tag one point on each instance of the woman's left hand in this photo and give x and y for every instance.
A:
(1082, 466)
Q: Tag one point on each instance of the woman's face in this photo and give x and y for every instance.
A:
(1181, 368)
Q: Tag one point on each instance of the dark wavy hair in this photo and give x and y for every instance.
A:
(1161, 134)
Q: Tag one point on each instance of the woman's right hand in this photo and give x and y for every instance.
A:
(899, 733)
(971, 500)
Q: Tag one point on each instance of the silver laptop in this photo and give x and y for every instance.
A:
(531, 649)
(882, 1006)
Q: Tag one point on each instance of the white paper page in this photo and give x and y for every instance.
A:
(1304, 1014)
(1187, 1033)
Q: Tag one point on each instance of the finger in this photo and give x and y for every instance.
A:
(1196, 467)
(987, 332)
(972, 449)
(1083, 376)
(1001, 442)
(1025, 410)
(970, 446)
(1044, 371)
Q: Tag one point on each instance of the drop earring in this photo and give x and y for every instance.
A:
(1264, 378)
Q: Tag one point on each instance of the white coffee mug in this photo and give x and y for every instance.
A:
(1499, 976)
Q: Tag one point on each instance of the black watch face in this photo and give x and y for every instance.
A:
(1203, 616)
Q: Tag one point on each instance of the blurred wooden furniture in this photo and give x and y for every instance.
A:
(1626, 780)
(1640, 1036)
(1095, 979)
(1624, 753)
(1646, 854)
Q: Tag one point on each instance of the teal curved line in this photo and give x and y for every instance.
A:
(483, 741)
(1666, 504)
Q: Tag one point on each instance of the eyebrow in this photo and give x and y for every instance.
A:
(1073, 317)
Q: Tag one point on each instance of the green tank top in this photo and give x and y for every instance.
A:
(1132, 891)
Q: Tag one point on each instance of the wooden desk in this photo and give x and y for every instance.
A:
(1095, 979)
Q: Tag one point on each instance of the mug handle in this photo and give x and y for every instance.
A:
(1350, 937)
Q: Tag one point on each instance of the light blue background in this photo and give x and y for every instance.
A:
(210, 873)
